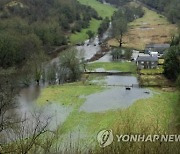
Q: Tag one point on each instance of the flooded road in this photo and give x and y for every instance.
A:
(89, 49)
(105, 58)
(92, 46)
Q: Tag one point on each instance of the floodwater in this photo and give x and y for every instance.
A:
(92, 46)
(105, 58)
(53, 110)
(121, 80)
(116, 96)
(103, 70)
(89, 49)
(28, 96)
(58, 113)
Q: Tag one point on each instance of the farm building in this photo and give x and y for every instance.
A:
(160, 48)
(147, 62)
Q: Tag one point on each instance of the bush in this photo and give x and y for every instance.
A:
(117, 54)
(172, 63)
(178, 82)
(15, 48)
(71, 64)
(104, 26)
(90, 34)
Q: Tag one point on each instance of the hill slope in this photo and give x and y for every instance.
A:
(104, 10)
(151, 28)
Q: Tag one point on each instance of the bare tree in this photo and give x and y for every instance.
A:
(7, 104)
(21, 134)
(29, 134)
(119, 28)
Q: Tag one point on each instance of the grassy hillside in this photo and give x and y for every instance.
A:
(103, 11)
(151, 28)
(40, 23)
(81, 36)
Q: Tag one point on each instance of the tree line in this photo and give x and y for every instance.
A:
(171, 8)
(172, 60)
(27, 27)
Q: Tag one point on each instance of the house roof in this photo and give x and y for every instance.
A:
(158, 46)
(147, 58)
(152, 52)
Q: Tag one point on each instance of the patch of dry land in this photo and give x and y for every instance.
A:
(151, 28)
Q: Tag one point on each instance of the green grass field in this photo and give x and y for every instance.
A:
(67, 94)
(155, 80)
(119, 66)
(150, 115)
(159, 70)
(102, 9)
(81, 36)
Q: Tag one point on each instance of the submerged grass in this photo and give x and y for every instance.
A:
(67, 94)
(145, 116)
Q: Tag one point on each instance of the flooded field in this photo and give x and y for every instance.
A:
(116, 96)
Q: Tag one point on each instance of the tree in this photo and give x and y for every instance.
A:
(51, 73)
(90, 34)
(9, 49)
(26, 136)
(175, 40)
(70, 63)
(35, 59)
(178, 82)
(172, 63)
(170, 8)
(7, 103)
(117, 54)
(119, 28)
(38, 65)
(128, 54)
(103, 26)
